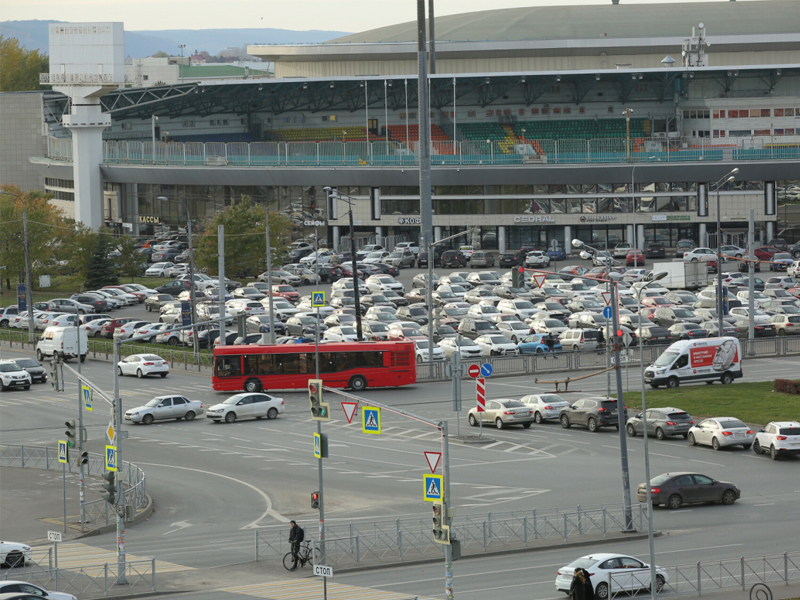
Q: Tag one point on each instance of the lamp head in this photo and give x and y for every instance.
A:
(576, 243)
(658, 276)
(585, 255)
(731, 178)
(163, 199)
(327, 188)
(735, 170)
(615, 276)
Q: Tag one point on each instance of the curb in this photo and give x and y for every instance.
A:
(138, 518)
(622, 537)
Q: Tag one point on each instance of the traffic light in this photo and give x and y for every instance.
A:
(70, 433)
(110, 487)
(315, 500)
(54, 375)
(518, 277)
(320, 411)
(84, 460)
(441, 532)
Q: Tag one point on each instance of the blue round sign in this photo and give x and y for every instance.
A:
(486, 370)
(607, 312)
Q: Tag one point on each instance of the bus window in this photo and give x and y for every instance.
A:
(229, 366)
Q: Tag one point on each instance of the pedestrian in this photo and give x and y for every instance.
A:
(550, 342)
(581, 587)
(296, 536)
(601, 340)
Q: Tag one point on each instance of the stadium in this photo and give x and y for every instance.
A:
(548, 123)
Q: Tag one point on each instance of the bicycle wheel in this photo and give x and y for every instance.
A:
(288, 561)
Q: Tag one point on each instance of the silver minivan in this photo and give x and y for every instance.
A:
(579, 339)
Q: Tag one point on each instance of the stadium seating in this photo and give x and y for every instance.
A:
(216, 137)
(580, 129)
(347, 133)
(398, 133)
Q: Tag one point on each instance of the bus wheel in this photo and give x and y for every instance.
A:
(252, 385)
(358, 383)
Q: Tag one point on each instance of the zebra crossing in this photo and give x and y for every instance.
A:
(74, 556)
(312, 588)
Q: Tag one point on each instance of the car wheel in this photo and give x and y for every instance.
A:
(189, 416)
(773, 453)
(631, 431)
(575, 348)
(757, 448)
(537, 417)
(498, 422)
(728, 497)
(592, 425)
(252, 385)
(660, 434)
(746, 446)
(148, 419)
(726, 379)
(272, 413)
(139, 373)
(230, 417)
(119, 371)
(674, 502)
(660, 583)
(715, 443)
(565, 422)
(473, 421)
(357, 383)
(15, 559)
(601, 591)
(672, 383)
(163, 375)
(39, 355)
(692, 441)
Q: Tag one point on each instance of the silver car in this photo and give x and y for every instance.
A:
(544, 406)
(502, 412)
(721, 431)
(165, 407)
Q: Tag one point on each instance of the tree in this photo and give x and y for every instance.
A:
(130, 260)
(160, 54)
(20, 68)
(245, 239)
(102, 269)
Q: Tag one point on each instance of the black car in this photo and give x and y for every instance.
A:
(509, 259)
(94, 301)
(35, 370)
(592, 413)
(422, 260)
(656, 335)
(453, 258)
(387, 269)
(174, 287)
(329, 274)
(396, 298)
(779, 243)
(744, 265)
(655, 251)
(523, 251)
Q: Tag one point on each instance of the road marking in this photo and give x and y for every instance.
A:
(701, 548)
(765, 504)
(665, 455)
(492, 445)
(91, 559)
(241, 439)
(706, 462)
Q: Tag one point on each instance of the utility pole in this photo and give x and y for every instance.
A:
(751, 230)
(222, 287)
(269, 284)
(80, 424)
(121, 576)
(28, 290)
(432, 37)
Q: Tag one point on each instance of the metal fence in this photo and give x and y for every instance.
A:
(710, 576)
(89, 580)
(96, 511)
(357, 544)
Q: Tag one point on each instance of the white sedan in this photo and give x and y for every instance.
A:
(342, 333)
(161, 269)
(10, 586)
(243, 406)
(626, 574)
(143, 364)
(179, 269)
(421, 350)
(497, 345)
(14, 555)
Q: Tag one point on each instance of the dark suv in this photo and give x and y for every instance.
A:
(684, 246)
(661, 422)
(593, 413)
(453, 258)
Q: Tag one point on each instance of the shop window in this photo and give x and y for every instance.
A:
(765, 112)
(779, 112)
(761, 132)
(791, 112)
(605, 205)
(646, 204)
(574, 206)
(558, 206)
(556, 188)
(590, 206)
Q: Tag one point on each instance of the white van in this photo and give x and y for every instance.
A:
(62, 342)
(697, 360)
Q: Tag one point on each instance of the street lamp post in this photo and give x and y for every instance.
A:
(192, 282)
(720, 300)
(27, 248)
(153, 121)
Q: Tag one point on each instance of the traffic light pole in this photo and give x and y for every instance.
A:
(80, 427)
(121, 577)
(319, 464)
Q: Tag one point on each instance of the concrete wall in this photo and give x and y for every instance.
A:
(21, 136)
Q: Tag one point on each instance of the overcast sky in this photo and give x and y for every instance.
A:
(338, 15)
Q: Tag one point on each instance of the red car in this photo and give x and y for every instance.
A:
(634, 258)
(765, 252)
(140, 296)
(647, 312)
(347, 271)
(287, 292)
(657, 302)
(109, 328)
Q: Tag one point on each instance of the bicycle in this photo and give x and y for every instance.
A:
(303, 557)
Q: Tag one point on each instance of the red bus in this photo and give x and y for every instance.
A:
(354, 365)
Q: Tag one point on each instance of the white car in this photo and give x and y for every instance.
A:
(12, 375)
(464, 346)
(180, 269)
(111, 299)
(732, 252)
(140, 288)
(496, 345)
(778, 439)
(92, 328)
(248, 308)
(168, 335)
(130, 329)
(626, 574)
(201, 281)
(700, 255)
(161, 269)
(720, 432)
(545, 407)
(342, 333)
(515, 331)
(421, 350)
(383, 283)
(58, 321)
(14, 555)
(537, 258)
(793, 270)
(128, 299)
(375, 257)
(247, 405)
(603, 258)
(283, 308)
(143, 364)
(9, 586)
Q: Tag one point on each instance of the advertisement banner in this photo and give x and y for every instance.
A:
(186, 313)
(22, 299)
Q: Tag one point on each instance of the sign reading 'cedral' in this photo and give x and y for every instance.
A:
(534, 219)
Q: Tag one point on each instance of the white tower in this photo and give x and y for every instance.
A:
(86, 62)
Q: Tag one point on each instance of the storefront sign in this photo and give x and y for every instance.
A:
(672, 217)
(410, 220)
(536, 219)
(315, 224)
(659, 217)
(585, 218)
(148, 219)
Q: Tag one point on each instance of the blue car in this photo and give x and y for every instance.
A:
(535, 344)
(557, 253)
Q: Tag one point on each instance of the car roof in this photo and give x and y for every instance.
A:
(785, 423)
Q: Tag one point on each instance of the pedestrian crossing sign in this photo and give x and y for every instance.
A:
(63, 452)
(432, 488)
(371, 419)
(111, 458)
(317, 299)
(86, 394)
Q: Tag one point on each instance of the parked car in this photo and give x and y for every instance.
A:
(247, 405)
(683, 246)
(545, 407)
(655, 250)
(510, 259)
(174, 287)
(453, 258)
(536, 343)
(65, 305)
(502, 412)
(465, 346)
(661, 422)
(162, 408)
(778, 438)
(28, 591)
(14, 555)
(625, 574)
(592, 413)
(142, 365)
(481, 258)
(673, 490)
(159, 269)
(495, 344)
(634, 258)
(721, 432)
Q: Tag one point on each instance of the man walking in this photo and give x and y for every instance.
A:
(296, 536)
(551, 342)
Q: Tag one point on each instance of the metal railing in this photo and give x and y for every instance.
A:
(89, 580)
(709, 576)
(525, 151)
(43, 457)
(356, 544)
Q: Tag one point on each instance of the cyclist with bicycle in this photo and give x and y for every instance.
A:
(296, 537)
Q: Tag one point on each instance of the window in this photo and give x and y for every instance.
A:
(145, 77)
(188, 123)
(779, 112)
(703, 480)
(127, 126)
(765, 112)
(229, 366)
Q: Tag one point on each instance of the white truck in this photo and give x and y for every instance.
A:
(682, 275)
(63, 342)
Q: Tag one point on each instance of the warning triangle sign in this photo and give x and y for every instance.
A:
(433, 489)
(371, 422)
(433, 459)
(539, 280)
(606, 298)
(349, 409)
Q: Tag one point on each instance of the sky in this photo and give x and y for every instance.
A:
(337, 15)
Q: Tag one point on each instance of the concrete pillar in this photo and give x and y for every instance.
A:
(437, 234)
(336, 238)
(770, 230)
(568, 239)
(87, 123)
(640, 237)
(379, 235)
(629, 234)
(501, 239)
(703, 235)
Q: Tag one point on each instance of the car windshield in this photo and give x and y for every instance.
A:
(582, 563)
(466, 343)
(552, 323)
(683, 313)
(348, 330)
(233, 399)
(498, 339)
(660, 479)
(731, 424)
(9, 367)
(417, 311)
(782, 256)
(150, 357)
(378, 327)
(479, 325)
(153, 402)
(307, 320)
(666, 359)
(27, 362)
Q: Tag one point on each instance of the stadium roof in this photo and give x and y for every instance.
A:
(599, 21)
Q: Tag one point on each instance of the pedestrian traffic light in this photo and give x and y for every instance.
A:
(70, 433)
(441, 531)
(315, 500)
(111, 487)
(320, 411)
(518, 277)
(84, 458)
